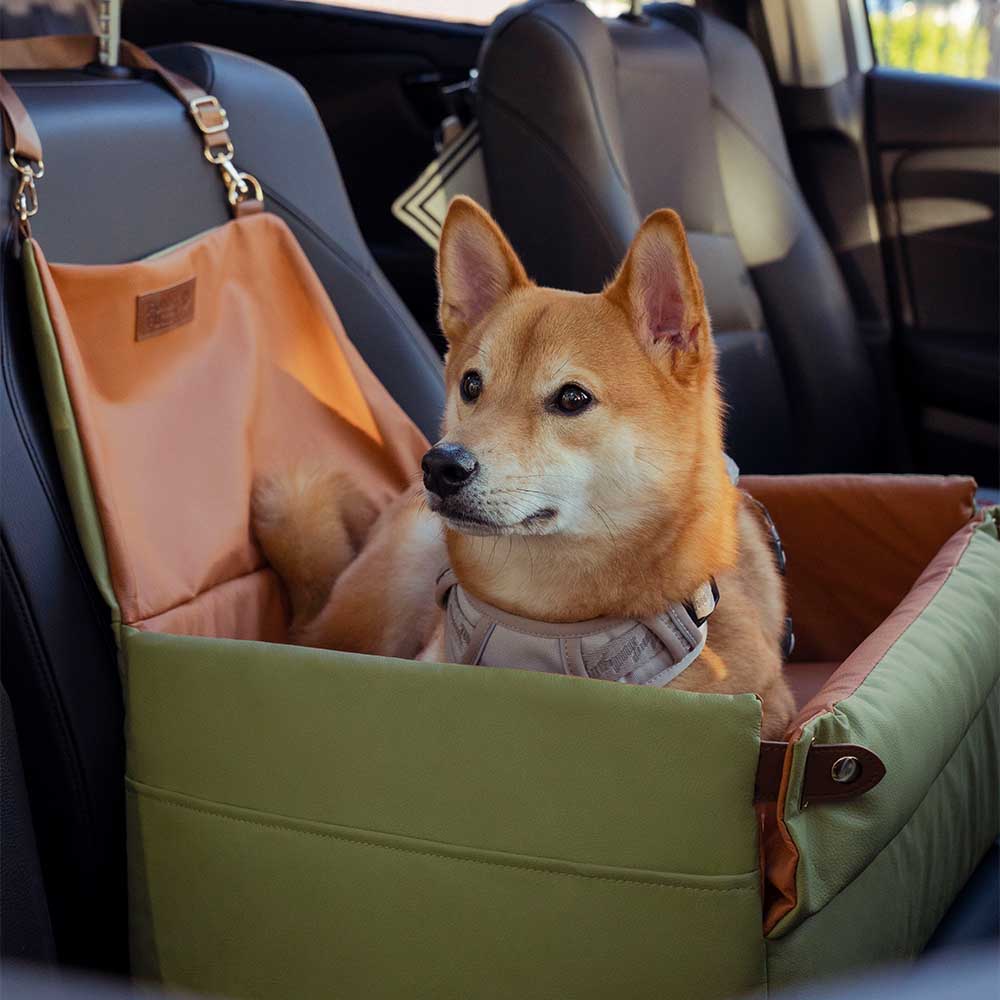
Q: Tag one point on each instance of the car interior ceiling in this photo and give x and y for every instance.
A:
(863, 346)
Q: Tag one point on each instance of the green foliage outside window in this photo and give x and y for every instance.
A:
(961, 38)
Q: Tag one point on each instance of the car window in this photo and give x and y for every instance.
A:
(467, 11)
(954, 37)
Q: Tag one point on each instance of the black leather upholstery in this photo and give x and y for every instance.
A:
(678, 111)
(59, 667)
(125, 176)
(25, 928)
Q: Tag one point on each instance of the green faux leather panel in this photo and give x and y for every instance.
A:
(307, 823)
(249, 904)
(505, 760)
(64, 431)
(891, 909)
(917, 709)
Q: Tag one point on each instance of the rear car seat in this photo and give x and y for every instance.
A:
(589, 125)
(125, 178)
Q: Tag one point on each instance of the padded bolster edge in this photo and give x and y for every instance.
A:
(853, 672)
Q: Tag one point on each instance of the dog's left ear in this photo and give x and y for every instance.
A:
(476, 267)
(659, 289)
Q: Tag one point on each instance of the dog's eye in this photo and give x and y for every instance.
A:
(572, 399)
(471, 386)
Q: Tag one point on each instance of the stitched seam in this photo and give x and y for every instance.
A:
(69, 534)
(263, 568)
(692, 23)
(944, 767)
(78, 84)
(209, 68)
(544, 635)
(593, 96)
(91, 461)
(756, 145)
(362, 842)
(557, 633)
(561, 161)
(52, 694)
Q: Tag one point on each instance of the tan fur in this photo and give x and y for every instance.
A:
(642, 509)
(311, 524)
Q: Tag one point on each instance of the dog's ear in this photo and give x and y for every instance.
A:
(659, 289)
(476, 267)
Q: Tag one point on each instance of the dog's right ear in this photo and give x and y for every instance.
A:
(476, 268)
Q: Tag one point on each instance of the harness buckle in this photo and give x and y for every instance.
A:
(703, 602)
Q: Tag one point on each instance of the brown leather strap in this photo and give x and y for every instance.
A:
(207, 114)
(834, 772)
(19, 133)
(74, 51)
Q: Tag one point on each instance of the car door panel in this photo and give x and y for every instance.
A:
(935, 146)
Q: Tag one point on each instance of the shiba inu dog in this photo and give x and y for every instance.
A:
(580, 476)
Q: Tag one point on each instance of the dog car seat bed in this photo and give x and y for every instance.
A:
(306, 822)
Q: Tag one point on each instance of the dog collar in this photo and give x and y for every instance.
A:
(651, 651)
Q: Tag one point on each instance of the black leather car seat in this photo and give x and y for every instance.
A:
(125, 177)
(589, 125)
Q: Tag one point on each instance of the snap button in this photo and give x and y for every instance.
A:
(845, 769)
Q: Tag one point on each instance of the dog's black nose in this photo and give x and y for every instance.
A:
(447, 468)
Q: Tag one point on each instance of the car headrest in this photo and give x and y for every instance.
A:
(26, 18)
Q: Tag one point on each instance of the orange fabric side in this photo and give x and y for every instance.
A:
(249, 607)
(181, 404)
(855, 546)
(781, 855)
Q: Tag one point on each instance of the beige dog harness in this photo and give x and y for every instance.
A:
(652, 651)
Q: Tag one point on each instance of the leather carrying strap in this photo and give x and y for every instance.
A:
(74, 51)
(834, 772)
(19, 133)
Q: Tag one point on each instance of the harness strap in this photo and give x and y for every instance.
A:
(653, 651)
(781, 562)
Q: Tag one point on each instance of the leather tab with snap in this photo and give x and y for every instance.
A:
(834, 772)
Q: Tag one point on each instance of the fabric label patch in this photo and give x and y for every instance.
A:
(160, 312)
(622, 655)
